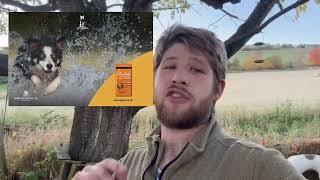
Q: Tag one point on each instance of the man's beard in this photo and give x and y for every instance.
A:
(187, 119)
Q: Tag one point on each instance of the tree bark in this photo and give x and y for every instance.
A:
(70, 5)
(98, 133)
(25, 7)
(137, 6)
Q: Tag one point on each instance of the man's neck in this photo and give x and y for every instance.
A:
(174, 140)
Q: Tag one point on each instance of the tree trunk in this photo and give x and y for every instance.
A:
(137, 6)
(100, 132)
(98, 5)
(69, 5)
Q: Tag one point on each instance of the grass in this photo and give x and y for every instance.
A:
(30, 154)
(269, 125)
(39, 116)
(273, 125)
(29, 146)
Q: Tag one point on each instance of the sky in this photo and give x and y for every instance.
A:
(285, 29)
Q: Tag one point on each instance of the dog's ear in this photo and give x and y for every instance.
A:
(60, 43)
(33, 44)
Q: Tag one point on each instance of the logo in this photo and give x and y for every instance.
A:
(25, 93)
(82, 23)
(123, 75)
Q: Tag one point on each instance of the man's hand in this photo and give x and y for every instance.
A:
(108, 169)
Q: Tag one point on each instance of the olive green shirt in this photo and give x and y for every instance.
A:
(212, 155)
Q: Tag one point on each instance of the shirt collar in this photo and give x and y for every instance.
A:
(201, 138)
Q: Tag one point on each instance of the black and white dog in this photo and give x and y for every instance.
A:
(40, 60)
(306, 163)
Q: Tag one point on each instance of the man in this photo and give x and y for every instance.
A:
(190, 66)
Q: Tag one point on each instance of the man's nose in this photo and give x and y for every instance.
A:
(180, 76)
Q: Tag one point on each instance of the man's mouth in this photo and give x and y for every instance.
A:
(178, 96)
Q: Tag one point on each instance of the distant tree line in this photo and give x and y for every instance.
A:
(265, 46)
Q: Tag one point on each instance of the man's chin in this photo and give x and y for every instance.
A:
(177, 106)
(177, 118)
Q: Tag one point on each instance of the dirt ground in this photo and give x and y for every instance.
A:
(264, 88)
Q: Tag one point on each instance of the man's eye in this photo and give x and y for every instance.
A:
(196, 70)
(169, 67)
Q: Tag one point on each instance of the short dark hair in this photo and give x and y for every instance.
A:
(196, 38)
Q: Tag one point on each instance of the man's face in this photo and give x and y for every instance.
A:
(184, 88)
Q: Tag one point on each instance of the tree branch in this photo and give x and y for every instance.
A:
(254, 20)
(218, 4)
(231, 15)
(137, 5)
(6, 9)
(169, 8)
(279, 5)
(114, 5)
(257, 29)
(195, 10)
(41, 8)
(217, 20)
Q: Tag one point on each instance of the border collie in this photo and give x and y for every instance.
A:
(40, 60)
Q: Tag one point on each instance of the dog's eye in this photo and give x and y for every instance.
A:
(53, 56)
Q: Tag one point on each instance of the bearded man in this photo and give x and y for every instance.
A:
(190, 67)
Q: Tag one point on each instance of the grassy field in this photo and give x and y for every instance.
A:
(270, 125)
(267, 107)
(287, 54)
(284, 58)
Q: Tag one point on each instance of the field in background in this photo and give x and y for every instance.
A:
(266, 88)
(282, 58)
(267, 107)
(268, 126)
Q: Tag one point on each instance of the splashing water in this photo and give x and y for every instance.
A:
(89, 59)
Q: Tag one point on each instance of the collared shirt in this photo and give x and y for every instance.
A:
(212, 155)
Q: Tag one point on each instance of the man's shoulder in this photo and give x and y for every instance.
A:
(245, 144)
(230, 142)
(249, 149)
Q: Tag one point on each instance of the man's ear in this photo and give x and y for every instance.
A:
(219, 89)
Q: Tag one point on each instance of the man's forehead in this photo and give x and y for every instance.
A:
(194, 58)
